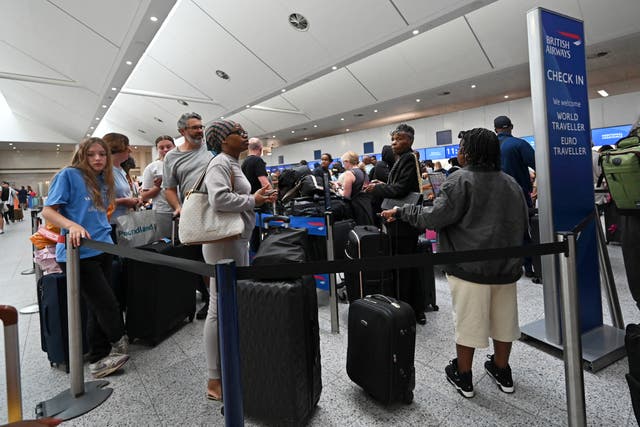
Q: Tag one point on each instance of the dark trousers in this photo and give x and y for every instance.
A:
(8, 215)
(404, 240)
(104, 320)
(631, 253)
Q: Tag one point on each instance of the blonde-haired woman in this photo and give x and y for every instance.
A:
(355, 179)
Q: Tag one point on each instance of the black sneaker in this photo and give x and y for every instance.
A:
(502, 376)
(202, 313)
(462, 382)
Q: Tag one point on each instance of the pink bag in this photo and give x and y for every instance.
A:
(46, 260)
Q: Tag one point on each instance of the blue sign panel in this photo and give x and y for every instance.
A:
(451, 151)
(569, 139)
(610, 135)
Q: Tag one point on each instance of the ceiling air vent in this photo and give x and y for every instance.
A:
(298, 22)
(445, 93)
(358, 115)
(222, 74)
(182, 102)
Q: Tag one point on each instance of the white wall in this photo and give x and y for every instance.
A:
(611, 111)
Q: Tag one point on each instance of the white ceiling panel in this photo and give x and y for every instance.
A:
(278, 102)
(16, 62)
(501, 27)
(196, 58)
(71, 48)
(151, 76)
(331, 93)
(420, 11)
(111, 19)
(273, 119)
(442, 55)
(599, 16)
(337, 30)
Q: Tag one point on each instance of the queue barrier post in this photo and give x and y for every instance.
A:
(571, 337)
(229, 338)
(9, 317)
(333, 297)
(81, 397)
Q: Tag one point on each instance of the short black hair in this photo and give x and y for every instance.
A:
(328, 155)
(481, 147)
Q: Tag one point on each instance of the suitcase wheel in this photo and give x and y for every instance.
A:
(435, 308)
(407, 397)
(191, 316)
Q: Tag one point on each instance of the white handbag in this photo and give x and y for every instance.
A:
(200, 223)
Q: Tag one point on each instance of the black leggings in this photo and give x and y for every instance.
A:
(104, 320)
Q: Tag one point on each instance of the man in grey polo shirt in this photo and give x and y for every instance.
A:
(182, 168)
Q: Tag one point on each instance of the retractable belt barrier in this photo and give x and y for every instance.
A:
(9, 317)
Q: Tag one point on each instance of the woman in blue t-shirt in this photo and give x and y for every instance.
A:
(78, 199)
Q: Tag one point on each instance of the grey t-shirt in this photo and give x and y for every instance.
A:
(183, 168)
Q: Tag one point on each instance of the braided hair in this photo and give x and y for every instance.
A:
(481, 148)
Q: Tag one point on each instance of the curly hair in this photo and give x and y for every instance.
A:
(481, 148)
(80, 161)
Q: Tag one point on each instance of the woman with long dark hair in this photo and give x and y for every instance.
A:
(78, 200)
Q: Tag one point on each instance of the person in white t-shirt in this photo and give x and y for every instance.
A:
(152, 177)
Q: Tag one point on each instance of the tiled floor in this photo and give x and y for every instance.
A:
(165, 385)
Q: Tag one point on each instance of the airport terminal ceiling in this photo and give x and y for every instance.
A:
(288, 69)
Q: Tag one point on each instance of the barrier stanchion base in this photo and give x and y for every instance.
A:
(30, 309)
(29, 271)
(601, 346)
(66, 407)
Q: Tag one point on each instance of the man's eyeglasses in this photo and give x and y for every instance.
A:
(196, 127)
(243, 133)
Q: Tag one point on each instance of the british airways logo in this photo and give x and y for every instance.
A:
(576, 40)
(560, 45)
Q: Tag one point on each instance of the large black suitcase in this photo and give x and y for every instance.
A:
(534, 222)
(612, 223)
(366, 241)
(381, 348)
(279, 349)
(54, 330)
(632, 345)
(427, 277)
(160, 298)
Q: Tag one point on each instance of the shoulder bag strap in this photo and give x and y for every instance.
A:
(198, 184)
(418, 173)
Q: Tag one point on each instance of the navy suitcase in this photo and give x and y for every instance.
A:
(160, 298)
(279, 349)
(366, 241)
(427, 277)
(381, 348)
(54, 331)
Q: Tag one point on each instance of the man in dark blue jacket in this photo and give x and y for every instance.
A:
(516, 157)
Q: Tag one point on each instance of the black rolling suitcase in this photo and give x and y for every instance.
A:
(427, 277)
(366, 241)
(612, 223)
(632, 345)
(54, 331)
(160, 298)
(381, 348)
(534, 221)
(279, 336)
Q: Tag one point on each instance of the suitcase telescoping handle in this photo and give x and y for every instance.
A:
(386, 299)
(284, 220)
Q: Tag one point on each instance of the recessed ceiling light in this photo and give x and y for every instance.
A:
(91, 127)
(375, 111)
(88, 134)
(57, 145)
(283, 90)
(334, 68)
(114, 89)
(153, 19)
(135, 147)
(97, 118)
(603, 93)
(273, 136)
(342, 119)
(128, 62)
(57, 149)
(15, 148)
(221, 117)
(306, 138)
(248, 106)
(11, 143)
(473, 86)
(418, 100)
(347, 130)
(315, 126)
(416, 32)
(182, 102)
(506, 97)
(104, 105)
(293, 131)
(222, 75)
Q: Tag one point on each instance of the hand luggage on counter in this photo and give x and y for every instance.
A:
(160, 298)
(366, 241)
(279, 336)
(54, 330)
(381, 348)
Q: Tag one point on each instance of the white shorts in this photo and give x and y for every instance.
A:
(481, 311)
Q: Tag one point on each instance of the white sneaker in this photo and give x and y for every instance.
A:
(1, 231)
(121, 346)
(108, 365)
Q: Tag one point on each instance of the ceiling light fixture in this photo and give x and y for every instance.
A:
(418, 100)
(128, 62)
(375, 111)
(221, 117)
(283, 90)
(506, 97)
(15, 148)
(57, 145)
(91, 127)
(114, 89)
(273, 136)
(104, 105)
(305, 138)
(473, 86)
(97, 118)
(248, 106)
(603, 93)
(347, 130)
(88, 134)
(153, 19)
(315, 126)
(334, 68)
(416, 32)
(293, 131)
(342, 119)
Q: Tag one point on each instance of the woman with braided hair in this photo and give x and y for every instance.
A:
(479, 207)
